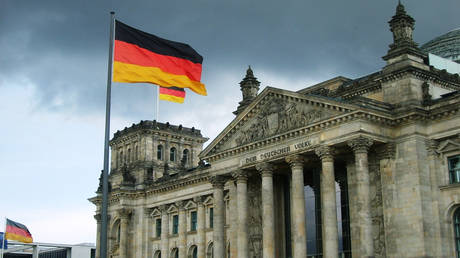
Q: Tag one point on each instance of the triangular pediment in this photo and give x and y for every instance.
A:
(273, 112)
(448, 146)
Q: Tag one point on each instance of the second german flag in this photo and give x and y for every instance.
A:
(143, 57)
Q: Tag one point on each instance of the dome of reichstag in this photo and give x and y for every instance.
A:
(447, 45)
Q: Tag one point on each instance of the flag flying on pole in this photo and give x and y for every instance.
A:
(17, 231)
(173, 94)
(143, 57)
(3, 241)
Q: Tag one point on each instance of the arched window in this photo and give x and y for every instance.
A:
(175, 253)
(184, 157)
(210, 251)
(118, 233)
(136, 153)
(457, 231)
(157, 254)
(160, 152)
(172, 154)
(129, 156)
(193, 252)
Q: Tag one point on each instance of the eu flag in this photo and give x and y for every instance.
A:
(1, 241)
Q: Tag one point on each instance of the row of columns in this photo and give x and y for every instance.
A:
(360, 148)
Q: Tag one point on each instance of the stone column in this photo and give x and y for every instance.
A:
(182, 229)
(98, 234)
(148, 229)
(219, 220)
(242, 199)
(328, 202)
(362, 198)
(124, 219)
(164, 231)
(201, 224)
(233, 220)
(298, 226)
(268, 218)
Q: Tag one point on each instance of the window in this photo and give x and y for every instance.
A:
(136, 153)
(457, 232)
(193, 221)
(172, 154)
(454, 169)
(121, 158)
(129, 155)
(193, 252)
(160, 152)
(210, 251)
(184, 157)
(175, 228)
(175, 253)
(118, 233)
(158, 227)
(211, 217)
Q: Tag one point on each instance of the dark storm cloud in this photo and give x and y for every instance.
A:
(61, 46)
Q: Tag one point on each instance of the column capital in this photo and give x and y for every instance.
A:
(360, 144)
(240, 175)
(265, 169)
(325, 153)
(98, 217)
(124, 213)
(386, 151)
(217, 181)
(295, 160)
(180, 205)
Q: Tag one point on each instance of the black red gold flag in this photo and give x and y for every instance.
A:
(143, 57)
(173, 94)
(17, 231)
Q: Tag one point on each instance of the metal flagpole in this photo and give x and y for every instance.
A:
(158, 103)
(105, 174)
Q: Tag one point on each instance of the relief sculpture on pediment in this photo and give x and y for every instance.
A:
(276, 117)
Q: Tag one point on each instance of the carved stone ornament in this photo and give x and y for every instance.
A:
(278, 116)
(124, 213)
(163, 209)
(180, 205)
(265, 169)
(431, 147)
(98, 218)
(325, 153)
(360, 144)
(426, 96)
(240, 175)
(199, 200)
(217, 181)
(128, 179)
(295, 160)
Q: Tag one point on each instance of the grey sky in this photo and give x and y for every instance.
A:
(53, 70)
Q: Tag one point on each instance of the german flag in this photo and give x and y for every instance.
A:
(143, 57)
(173, 94)
(17, 231)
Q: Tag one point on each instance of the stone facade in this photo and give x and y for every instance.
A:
(349, 167)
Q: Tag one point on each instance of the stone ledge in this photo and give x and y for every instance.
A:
(449, 187)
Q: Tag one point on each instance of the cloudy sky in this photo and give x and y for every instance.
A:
(53, 72)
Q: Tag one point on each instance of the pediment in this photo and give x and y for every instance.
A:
(190, 205)
(275, 112)
(448, 146)
(155, 213)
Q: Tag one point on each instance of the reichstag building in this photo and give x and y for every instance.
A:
(366, 167)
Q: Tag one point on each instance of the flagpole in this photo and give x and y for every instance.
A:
(158, 103)
(105, 174)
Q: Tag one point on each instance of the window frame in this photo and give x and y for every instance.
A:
(453, 172)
